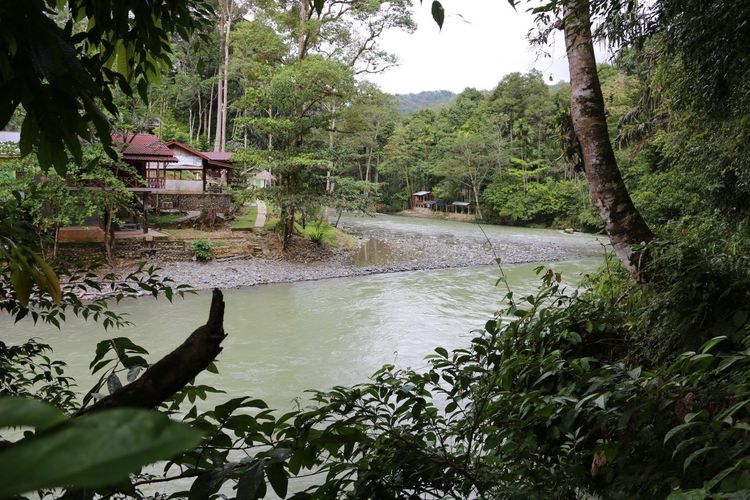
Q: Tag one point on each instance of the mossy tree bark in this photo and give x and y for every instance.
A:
(622, 221)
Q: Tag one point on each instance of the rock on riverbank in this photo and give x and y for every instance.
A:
(384, 250)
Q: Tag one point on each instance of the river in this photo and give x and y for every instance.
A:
(285, 338)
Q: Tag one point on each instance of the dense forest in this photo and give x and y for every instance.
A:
(427, 99)
(509, 150)
(635, 384)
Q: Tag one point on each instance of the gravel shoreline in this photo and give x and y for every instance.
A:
(383, 250)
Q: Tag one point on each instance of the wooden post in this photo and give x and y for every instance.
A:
(204, 175)
(145, 212)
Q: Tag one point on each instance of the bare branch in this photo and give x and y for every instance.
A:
(176, 369)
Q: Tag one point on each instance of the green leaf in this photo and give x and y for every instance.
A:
(250, 481)
(689, 495)
(123, 65)
(601, 401)
(21, 281)
(635, 373)
(205, 485)
(277, 478)
(695, 455)
(438, 13)
(711, 343)
(93, 450)
(28, 412)
(319, 6)
(102, 348)
(679, 428)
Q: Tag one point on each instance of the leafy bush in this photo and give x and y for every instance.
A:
(542, 406)
(320, 233)
(201, 249)
(275, 225)
(562, 203)
(698, 288)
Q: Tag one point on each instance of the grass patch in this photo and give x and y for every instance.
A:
(165, 219)
(246, 219)
(345, 240)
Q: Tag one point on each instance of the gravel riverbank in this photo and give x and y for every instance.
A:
(391, 248)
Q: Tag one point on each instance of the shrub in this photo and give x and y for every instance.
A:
(321, 234)
(545, 403)
(201, 249)
(275, 225)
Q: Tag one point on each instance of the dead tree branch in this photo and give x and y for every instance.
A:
(175, 370)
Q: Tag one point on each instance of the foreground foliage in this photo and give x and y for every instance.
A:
(553, 399)
(625, 390)
(561, 395)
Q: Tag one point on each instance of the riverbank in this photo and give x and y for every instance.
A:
(388, 244)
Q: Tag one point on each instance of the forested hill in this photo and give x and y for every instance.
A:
(432, 99)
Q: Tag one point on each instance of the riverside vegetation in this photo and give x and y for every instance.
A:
(635, 385)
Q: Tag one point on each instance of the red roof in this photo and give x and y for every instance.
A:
(144, 147)
(218, 156)
(214, 159)
(185, 147)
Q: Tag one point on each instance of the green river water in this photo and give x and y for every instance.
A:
(286, 338)
(289, 337)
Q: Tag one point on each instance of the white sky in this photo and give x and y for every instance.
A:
(477, 50)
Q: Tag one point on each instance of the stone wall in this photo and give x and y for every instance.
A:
(75, 255)
(164, 250)
(192, 201)
(81, 254)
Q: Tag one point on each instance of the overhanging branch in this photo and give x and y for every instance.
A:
(175, 370)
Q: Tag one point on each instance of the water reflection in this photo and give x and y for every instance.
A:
(373, 252)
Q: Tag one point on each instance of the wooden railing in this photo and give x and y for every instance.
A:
(156, 183)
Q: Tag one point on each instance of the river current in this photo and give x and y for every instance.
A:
(289, 337)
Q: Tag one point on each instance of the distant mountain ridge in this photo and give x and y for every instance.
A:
(428, 99)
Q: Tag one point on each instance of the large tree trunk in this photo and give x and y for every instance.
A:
(220, 90)
(219, 114)
(210, 113)
(108, 251)
(331, 141)
(302, 38)
(200, 117)
(622, 221)
(408, 188)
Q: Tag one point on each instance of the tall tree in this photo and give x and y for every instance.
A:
(258, 53)
(229, 11)
(623, 222)
(409, 151)
(364, 128)
(297, 95)
(470, 161)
